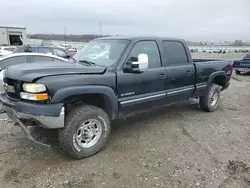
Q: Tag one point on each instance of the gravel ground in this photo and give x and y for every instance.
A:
(176, 146)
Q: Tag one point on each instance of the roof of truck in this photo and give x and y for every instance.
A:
(141, 38)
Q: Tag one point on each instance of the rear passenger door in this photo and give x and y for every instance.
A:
(180, 76)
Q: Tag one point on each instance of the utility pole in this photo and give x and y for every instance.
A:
(65, 35)
(100, 28)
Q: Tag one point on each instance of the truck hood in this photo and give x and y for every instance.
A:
(29, 72)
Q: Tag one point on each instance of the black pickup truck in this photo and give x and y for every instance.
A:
(110, 76)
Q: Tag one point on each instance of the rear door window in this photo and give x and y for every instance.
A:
(13, 61)
(175, 53)
(38, 58)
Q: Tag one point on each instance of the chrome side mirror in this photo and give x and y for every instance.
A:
(141, 65)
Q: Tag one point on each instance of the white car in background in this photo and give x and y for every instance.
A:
(104, 55)
(5, 50)
(19, 58)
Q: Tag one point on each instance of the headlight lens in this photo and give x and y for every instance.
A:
(34, 96)
(34, 88)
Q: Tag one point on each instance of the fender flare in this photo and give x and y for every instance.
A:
(215, 74)
(78, 90)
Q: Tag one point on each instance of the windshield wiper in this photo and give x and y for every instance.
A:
(87, 62)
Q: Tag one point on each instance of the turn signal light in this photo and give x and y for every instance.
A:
(34, 96)
(41, 97)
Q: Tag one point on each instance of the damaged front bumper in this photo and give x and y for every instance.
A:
(50, 116)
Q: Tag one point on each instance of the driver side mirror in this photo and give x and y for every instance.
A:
(138, 65)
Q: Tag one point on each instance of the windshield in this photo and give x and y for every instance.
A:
(247, 56)
(101, 52)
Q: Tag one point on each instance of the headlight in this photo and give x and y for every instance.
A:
(34, 88)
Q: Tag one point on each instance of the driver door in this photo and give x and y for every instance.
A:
(140, 88)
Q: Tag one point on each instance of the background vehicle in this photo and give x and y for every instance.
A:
(19, 58)
(104, 54)
(60, 52)
(242, 65)
(5, 50)
(81, 99)
(71, 52)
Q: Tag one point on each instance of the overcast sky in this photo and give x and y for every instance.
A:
(190, 19)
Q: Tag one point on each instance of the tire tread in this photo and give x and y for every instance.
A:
(204, 99)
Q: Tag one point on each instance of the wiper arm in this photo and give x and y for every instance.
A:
(87, 62)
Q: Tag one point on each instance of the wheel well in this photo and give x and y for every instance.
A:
(220, 80)
(100, 100)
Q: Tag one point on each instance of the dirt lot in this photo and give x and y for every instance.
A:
(176, 146)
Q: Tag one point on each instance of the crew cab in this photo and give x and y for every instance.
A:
(242, 65)
(81, 99)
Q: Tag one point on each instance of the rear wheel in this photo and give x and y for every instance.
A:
(86, 131)
(211, 100)
(237, 72)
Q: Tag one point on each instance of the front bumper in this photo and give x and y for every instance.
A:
(246, 69)
(50, 116)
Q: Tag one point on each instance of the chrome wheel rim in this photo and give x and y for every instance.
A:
(214, 98)
(89, 133)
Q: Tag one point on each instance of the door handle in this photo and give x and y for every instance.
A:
(161, 76)
(188, 73)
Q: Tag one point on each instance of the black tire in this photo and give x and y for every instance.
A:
(73, 121)
(205, 101)
(237, 72)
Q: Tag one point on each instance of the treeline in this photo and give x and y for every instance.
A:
(61, 37)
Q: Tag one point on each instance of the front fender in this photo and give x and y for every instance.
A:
(63, 93)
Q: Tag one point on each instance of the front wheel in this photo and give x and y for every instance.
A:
(237, 72)
(211, 100)
(86, 130)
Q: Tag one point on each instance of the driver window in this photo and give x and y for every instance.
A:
(151, 49)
